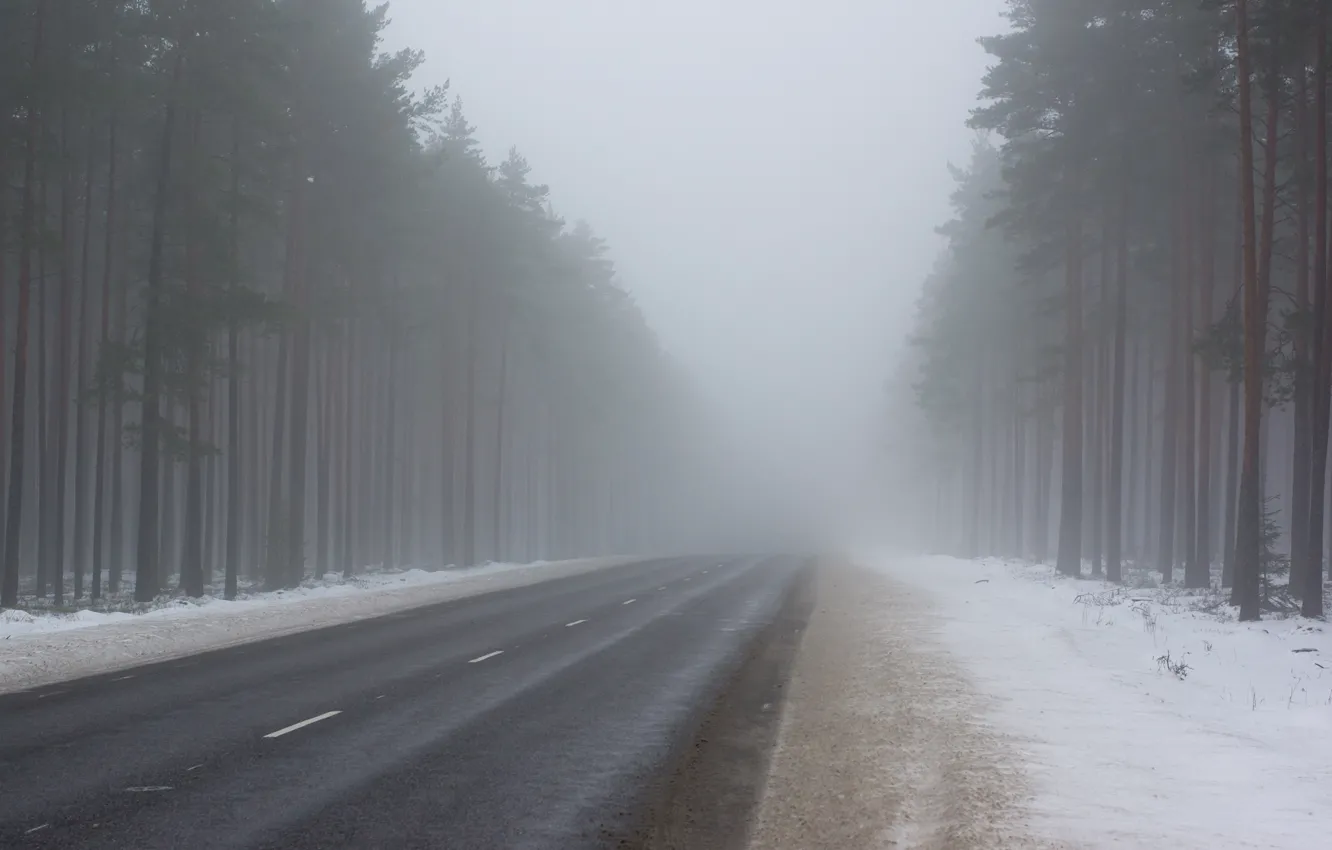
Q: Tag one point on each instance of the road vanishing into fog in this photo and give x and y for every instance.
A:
(547, 716)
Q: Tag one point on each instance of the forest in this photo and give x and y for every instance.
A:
(268, 312)
(1124, 353)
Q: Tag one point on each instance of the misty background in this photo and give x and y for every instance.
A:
(768, 175)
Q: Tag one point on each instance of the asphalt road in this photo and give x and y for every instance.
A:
(537, 717)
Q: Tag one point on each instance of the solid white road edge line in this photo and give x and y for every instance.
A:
(487, 655)
(293, 727)
(574, 623)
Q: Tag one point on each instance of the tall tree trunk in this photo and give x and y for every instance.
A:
(1198, 569)
(28, 240)
(1234, 404)
(82, 366)
(1019, 491)
(1135, 426)
(1248, 547)
(973, 549)
(1070, 514)
(1189, 473)
(1045, 440)
(192, 567)
(1303, 422)
(496, 511)
(1170, 427)
(108, 257)
(275, 537)
(1114, 520)
(1312, 571)
(45, 484)
(325, 451)
(64, 364)
(391, 451)
(1096, 412)
(349, 482)
(300, 385)
(469, 448)
(116, 542)
(233, 532)
(147, 582)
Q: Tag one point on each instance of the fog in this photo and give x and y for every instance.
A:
(769, 176)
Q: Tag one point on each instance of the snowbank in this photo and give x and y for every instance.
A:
(1147, 718)
(39, 649)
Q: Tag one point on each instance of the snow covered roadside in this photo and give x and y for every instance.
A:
(40, 650)
(1232, 751)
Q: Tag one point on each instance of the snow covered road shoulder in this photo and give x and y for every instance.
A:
(1145, 718)
(38, 650)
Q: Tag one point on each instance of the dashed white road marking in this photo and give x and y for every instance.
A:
(123, 678)
(629, 602)
(381, 696)
(141, 789)
(192, 769)
(293, 727)
(51, 694)
(36, 829)
(661, 588)
(486, 656)
(574, 623)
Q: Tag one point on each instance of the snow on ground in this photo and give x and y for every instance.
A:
(39, 649)
(1233, 750)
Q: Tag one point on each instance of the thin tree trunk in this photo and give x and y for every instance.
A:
(325, 451)
(499, 444)
(348, 455)
(191, 567)
(1135, 426)
(1170, 429)
(1198, 570)
(300, 383)
(1189, 473)
(1312, 571)
(81, 454)
(64, 365)
(391, 451)
(1233, 404)
(469, 448)
(1019, 471)
(99, 473)
(1303, 424)
(27, 242)
(147, 578)
(1249, 520)
(233, 384)
(1114, 519)
(45, 475)
(116, 542)
(1070, 523)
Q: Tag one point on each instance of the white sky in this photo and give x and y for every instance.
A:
(768, 173)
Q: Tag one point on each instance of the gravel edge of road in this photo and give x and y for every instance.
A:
(883, 741)
(43, 660)
(710, 790)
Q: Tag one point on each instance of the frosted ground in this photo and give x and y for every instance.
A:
(1142, 717)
